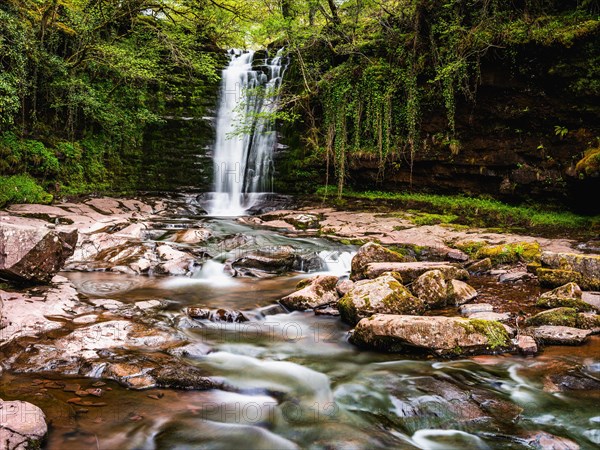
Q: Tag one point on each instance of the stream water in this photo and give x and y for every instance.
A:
(299, 383)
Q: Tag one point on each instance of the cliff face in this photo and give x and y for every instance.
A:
(521, 139)
(516, 142)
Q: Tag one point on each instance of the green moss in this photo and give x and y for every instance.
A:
(433, 219)
(470, 247)
(511, 253)
(22, 189)
(494, 331)
(558, 302)
(588, 321)
(479, 212)
(557, 277)
(566, 317)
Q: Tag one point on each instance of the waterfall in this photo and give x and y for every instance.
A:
(245, 133)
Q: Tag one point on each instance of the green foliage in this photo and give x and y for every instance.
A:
(22, 189)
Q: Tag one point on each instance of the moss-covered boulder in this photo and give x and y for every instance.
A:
(589, 165)
(566, 317)
(552, 278)
(312, 293)
(589, 321)
(568, 295)
(587, 266)
(431, 289)
(410, 271)
(383, 295)
(441, 336)
(372, 252)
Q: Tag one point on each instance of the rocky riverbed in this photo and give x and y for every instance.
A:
(327, 323)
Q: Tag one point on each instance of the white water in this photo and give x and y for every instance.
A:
(243, 162)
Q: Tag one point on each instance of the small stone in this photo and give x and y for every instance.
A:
(96, 392)
(457, 255)
(82, 393)
(153, 396)
(526, 345)
(135, 418)
(99, 384)
(459, 292)
(328, 311)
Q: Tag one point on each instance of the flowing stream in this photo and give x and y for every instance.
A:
(299, 383)
(245, 132)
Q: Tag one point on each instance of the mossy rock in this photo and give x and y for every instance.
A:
(589, 165)
(588, 266)
(588, 321)
(495, 333)
(566, 317)
(559, 302)
(557, 277)
(511, 253)
(383, 295)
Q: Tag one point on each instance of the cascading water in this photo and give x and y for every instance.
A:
(245, 134)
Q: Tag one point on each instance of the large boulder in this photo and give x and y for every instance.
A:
(566, 317)
(588, 266)
(372, 252)
(32, 254)
(383, 295)
(275, 260)
(431, 289)
(22, 426)
(314, 293)
(442, 336)
(568, 295)
(410, 271)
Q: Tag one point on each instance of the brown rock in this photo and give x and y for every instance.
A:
(372, 253)
(410, 271)
(526, 345)
(314, 293)
(459, 292)
(32, 255)
(559, 335)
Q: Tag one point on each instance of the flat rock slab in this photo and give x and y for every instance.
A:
(489, 315)
(442, 336)
(592, 298)
(410, 271)
(558, 335)
(473, 308)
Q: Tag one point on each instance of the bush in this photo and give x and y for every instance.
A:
(22, 189)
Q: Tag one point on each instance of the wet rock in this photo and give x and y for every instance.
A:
(191, 236)
(372, 253)
(559, 335)
(442, 336)
(271, 310)
(546, 441)
(588, 266)
(514, 277)
(526, 345)
(481, 266)
(459, 292)
(489, 315)
(274, 261)
(194, 350)
(557, 277)
(313, 293)
(175, 262)
(32, 254)
(410, 271)
(465, 310)
(344, 286)
(383, 295)
(22, 426)
(431, 289)
(235, 241)
(568, 295)
(327, 311)
(561, 382)
(217, 315)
